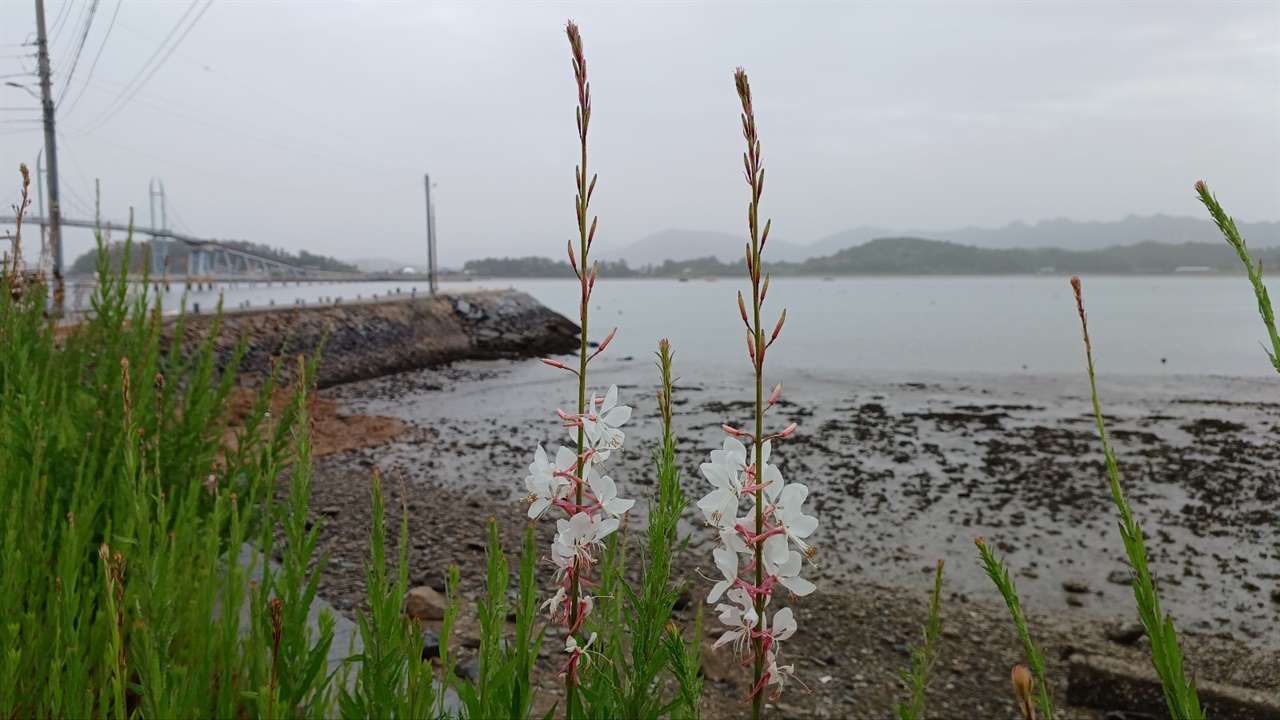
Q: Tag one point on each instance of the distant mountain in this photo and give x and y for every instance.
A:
(1064, 234)
(681, 245)
(916, 256)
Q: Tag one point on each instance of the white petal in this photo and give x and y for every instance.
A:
(566, 459)
(784, 624)
(776, 550)
(726, 562)
(617, 416)
(797, 585)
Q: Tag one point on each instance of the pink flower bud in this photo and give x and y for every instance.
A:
(774, 397)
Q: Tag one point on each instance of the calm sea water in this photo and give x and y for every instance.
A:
(1139, 325)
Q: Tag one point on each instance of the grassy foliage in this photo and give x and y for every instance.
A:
(922, 658)
(124, 494)
(1228, 227)
(1035, 656)
(1179, 694)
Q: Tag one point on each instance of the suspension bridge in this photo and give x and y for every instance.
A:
(211, 261)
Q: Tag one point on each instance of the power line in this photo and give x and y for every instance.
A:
(138, 80)
(84, 35)
(94, 65)
(57, 27)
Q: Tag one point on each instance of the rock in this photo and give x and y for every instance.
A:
(717, 663)
(330, 511)
(1125, 632)
(425, 603)
(433, 580)
(1275, 595)
(468, 669)
(430, 644)
(1075, 586)
(1074, 601)
(1119, 577)
(685, 598)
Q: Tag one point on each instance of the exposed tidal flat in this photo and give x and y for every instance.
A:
(904, 469)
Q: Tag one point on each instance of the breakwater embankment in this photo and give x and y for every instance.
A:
(371, 339)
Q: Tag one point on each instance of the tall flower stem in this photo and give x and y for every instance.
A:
(756, 343)
(586, 276)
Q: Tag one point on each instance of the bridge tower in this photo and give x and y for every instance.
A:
(159, 251)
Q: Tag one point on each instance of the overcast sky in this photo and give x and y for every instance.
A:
(310, 125)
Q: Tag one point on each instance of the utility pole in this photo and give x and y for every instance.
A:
(51, 150)
(431, 238)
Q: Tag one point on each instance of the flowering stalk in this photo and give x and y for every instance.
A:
(574, 482)
(776, 521)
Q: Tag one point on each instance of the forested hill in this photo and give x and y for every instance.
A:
(914, 256)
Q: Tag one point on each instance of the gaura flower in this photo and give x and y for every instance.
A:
(601, 423)
(787, 573)
(606, 492)
(727, 563)
(578, 535)
(739, 615)
(725, 473)
(794, 524)
(545, 483)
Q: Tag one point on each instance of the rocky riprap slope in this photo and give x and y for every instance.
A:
(371, 339)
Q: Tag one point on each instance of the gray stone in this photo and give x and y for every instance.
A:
(1119, 577)
(1075, 586)
(1125, 632)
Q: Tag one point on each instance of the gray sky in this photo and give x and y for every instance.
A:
(309, 125)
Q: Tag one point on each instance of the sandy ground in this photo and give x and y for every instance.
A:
(902, 473)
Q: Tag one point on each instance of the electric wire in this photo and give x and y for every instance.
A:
(75, 60)
(56, 27)
(94, 66)
(147, 69)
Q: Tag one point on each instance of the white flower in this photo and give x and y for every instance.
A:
(556, 603)
(771, 478)
(727, 563)
(724, 472)
(606, 492)
(739, 615)
(795, 525)
(543, 483)
(601, 423)
(577, 535)
(791, 518)
(777, 673)
(788, 573)
(571, 644)
(784, 624)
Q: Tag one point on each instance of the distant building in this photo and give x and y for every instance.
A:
(1194, 269)
(406, 270)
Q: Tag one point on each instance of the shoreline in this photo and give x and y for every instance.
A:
(913, 470)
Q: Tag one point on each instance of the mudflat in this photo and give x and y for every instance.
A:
(902, 472)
